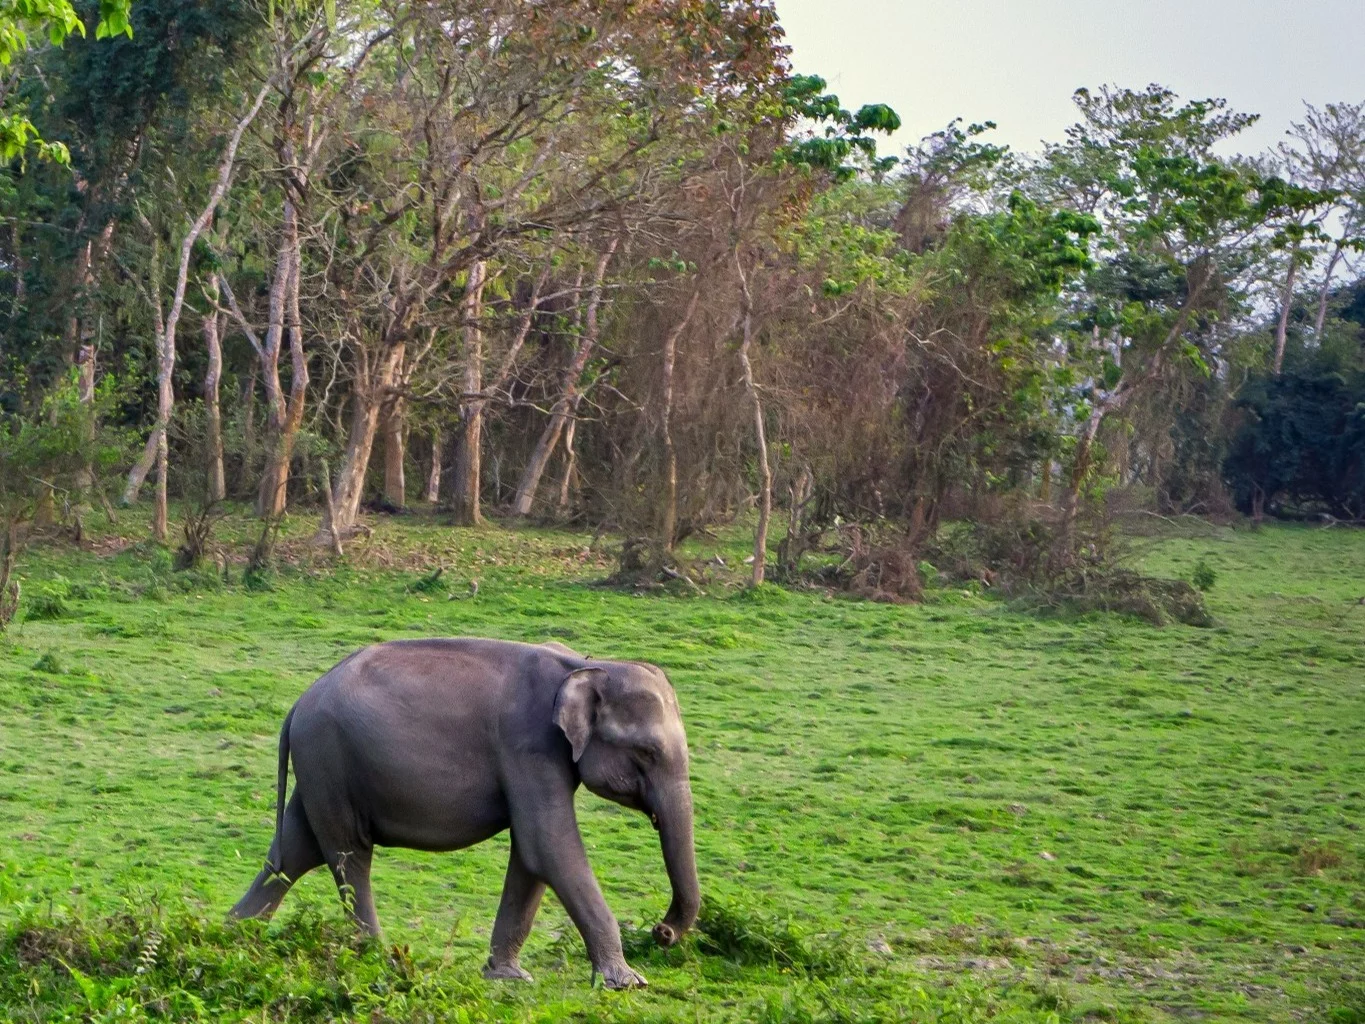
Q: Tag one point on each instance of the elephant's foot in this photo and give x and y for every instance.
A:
(495, 971)
(621, 975)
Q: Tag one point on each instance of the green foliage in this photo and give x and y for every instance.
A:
(1203, 576)
(1178, 226)
(749, 936)
(51, 446)
(843, 136)
(48, 603)
(1300, 444)
(50, 664)
(56, 19)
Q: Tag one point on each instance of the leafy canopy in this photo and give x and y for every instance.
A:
(56, 19)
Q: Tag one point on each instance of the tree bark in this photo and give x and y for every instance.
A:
(669, 528)
(1286, 302)
(765, 482)
(329, 524)
(468, 465)
(137, 476)
(570, 457)
(559, 414)
(85, 360)
(372, 385)
(248, 430)
(395, 486)
(217, 484)
(434, 476)
(283, 416)
(1324, 293)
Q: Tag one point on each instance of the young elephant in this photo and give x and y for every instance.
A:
(440, 744)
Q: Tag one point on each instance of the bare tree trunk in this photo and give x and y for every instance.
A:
(1325, 291)
(330, 523)
(166, 332)
(765, 483)
(468, 448)
(669, 528)
(434, 476)
(217, 489)
(1287, 301)
(395, 486)
(370, 391)
(85, 360)
(559, 414)
(160, 514)
(1080, 466)
(283, 416)
(570, 457)
(468, 465)
(138, 474)
(248, 430)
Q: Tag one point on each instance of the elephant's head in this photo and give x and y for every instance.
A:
(623, 723)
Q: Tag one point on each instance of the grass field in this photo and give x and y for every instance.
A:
(950, 811)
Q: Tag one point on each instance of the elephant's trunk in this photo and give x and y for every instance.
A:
(675, 837)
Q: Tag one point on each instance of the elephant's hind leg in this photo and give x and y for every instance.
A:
(296, 851)
(521, 894)
(351, 869)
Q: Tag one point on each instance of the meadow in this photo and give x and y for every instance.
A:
(958, 810)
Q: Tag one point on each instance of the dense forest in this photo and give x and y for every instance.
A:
(617, 263)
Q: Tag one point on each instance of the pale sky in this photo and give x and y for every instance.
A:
(1017, 62)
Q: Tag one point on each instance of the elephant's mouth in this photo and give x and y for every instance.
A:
(654, 820)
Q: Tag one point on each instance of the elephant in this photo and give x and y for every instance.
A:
(439, 744)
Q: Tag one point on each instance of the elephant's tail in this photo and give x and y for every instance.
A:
(281, 784)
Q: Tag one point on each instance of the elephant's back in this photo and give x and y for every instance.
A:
(394, 690)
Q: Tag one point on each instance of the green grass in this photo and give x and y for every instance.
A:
(950, 811)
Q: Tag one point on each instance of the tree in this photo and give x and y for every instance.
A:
(1178, 227)
(57, 20)
(167, 323)
(1326, 153)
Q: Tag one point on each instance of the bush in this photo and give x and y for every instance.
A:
(1203, 576)
(1300, 446)
(1047, 565)
(49, 603)
(1152, 598)
(50, 664)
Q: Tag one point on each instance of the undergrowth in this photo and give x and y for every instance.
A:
(146, 965)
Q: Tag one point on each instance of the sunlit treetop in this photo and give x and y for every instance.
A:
(56, 19)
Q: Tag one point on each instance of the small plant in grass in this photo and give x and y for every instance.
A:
(197, 532)
(1203, 576)
(431, 583)
(1314, 858)
(50, 664)
(47, 604)
(750, 937)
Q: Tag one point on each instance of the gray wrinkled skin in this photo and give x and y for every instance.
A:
(441, 744)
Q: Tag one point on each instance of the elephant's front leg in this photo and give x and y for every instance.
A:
(521, 893)
(552, 849)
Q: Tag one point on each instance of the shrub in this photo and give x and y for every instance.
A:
(50, 664)
(48, 603)
(1203, 576)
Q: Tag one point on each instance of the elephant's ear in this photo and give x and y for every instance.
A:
(576, 706)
